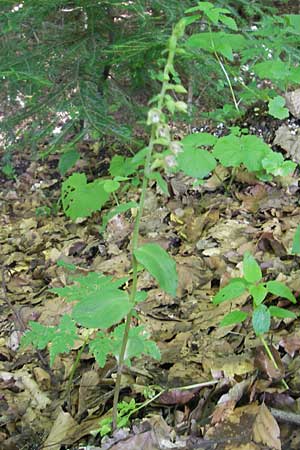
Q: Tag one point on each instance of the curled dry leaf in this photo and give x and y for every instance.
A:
(265, 429)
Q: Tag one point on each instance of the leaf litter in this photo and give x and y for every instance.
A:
(219, 390)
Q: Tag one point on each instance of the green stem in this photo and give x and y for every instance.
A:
(271, 357)
(135, 236)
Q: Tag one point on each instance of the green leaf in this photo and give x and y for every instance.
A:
(224, 43)
(251, 270)
(280, 290)
(261, 320)
(160, 265)
(102, 309)
(233, 318)
(67, 160)
(39, 335)
(64, 338)
(228, 151)
(277, 109)
(258, 293)
(229, 22)
(272, 70)
(160, 182)
(101, 347)
(254, 150)
(198, 140)
(296, 242)
(123, 167)
(113, 212)
(281, 313)
(111, 186)
(195, 163)
(233, 290)
(81, 199)
(272, 161)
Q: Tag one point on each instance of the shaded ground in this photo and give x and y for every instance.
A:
(238, 401)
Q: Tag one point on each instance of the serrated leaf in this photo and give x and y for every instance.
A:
(67, 160)
(272, 161)
(261, 320)
(281, 313)
(81, 199)
(296, 242)
(233, 318)
(64, 338)
(251, 270)
(233, 290)
(196, 163)
(160, 265)
(281, 290)
(258, 293)
(224, 43)
(277, 109)
(101, 347)
(39, 335)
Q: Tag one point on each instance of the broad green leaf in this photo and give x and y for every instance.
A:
(281, 290)
(254, 150)
(233, 290)
(198, 140)
(196, 163)
(160, 265)
(101, 347)
(102, 309)
(67, 160)
(81, 199)
(272, 161)
(233, 318)
(123, 167)
(202, 6)
(111, 185)
(286, 168)
(228, 151)
(261, 320)
(296, 242)
(281, 313)
(224, 43)
(277, 109)
(113, 212)
(251, 270)
(258, 293)
(272, 70)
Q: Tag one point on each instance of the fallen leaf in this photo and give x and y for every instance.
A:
(266, 429)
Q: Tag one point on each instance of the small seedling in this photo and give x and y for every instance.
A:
(252, 284)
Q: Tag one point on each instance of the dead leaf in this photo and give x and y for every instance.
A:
(266, 429)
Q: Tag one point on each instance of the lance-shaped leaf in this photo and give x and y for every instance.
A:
(160, 265)
(281, 290)
(233, 318)
(233, 290)
(252, 271)
(282, 313)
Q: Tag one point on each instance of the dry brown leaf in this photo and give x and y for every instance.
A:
(291, 343)
(265, 429)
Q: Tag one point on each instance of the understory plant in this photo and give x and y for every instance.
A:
(252, 284)
(103, 307)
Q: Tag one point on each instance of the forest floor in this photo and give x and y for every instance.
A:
(221, 392)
